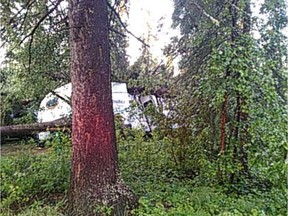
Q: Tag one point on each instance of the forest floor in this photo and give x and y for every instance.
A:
(15, 147)
(35, 182)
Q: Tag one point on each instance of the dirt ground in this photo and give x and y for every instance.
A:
(13, 148)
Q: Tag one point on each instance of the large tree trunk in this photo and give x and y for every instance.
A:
(95, 179)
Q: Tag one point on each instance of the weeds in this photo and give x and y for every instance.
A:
(36, 184)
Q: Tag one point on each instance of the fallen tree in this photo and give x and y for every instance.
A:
(29, 129)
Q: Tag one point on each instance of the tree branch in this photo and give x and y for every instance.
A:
(215, 21)
(39, 22)
(62, 98)
(31, 34)
(124, 26)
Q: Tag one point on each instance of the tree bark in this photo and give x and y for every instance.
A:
(223, 123)
(95, 180)
(29, 129)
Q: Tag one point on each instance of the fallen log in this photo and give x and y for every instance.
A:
(29, 129)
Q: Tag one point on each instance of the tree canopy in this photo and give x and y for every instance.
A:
(222, 121)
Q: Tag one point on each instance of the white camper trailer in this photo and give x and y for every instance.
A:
(56, 105)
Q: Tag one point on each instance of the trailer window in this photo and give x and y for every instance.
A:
(147, 103)
(52, 103)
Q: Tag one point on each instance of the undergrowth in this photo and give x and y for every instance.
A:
(38, 184)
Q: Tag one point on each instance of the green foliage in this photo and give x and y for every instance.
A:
(36, 184)
(60, 142)
(179, 199)
(103, 209)
(28, 177)
(164, 189)
(38, 208)
(232, 86)
(229, 97)
(37, 58)
(274, 43)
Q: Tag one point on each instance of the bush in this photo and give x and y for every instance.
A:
(37, 184)
(27, 177)
(39, 209)
(165, 188)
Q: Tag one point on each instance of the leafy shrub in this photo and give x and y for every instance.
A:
(167, 189)
(28, 177)
(39, 209)
(182, 199)
(32, 184)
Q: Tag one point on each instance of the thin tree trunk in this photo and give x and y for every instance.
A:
(244, 115)
(240, 128)
(234, 34)
(223, 124)
(95, 181)
(236, 134)
(213, 134)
